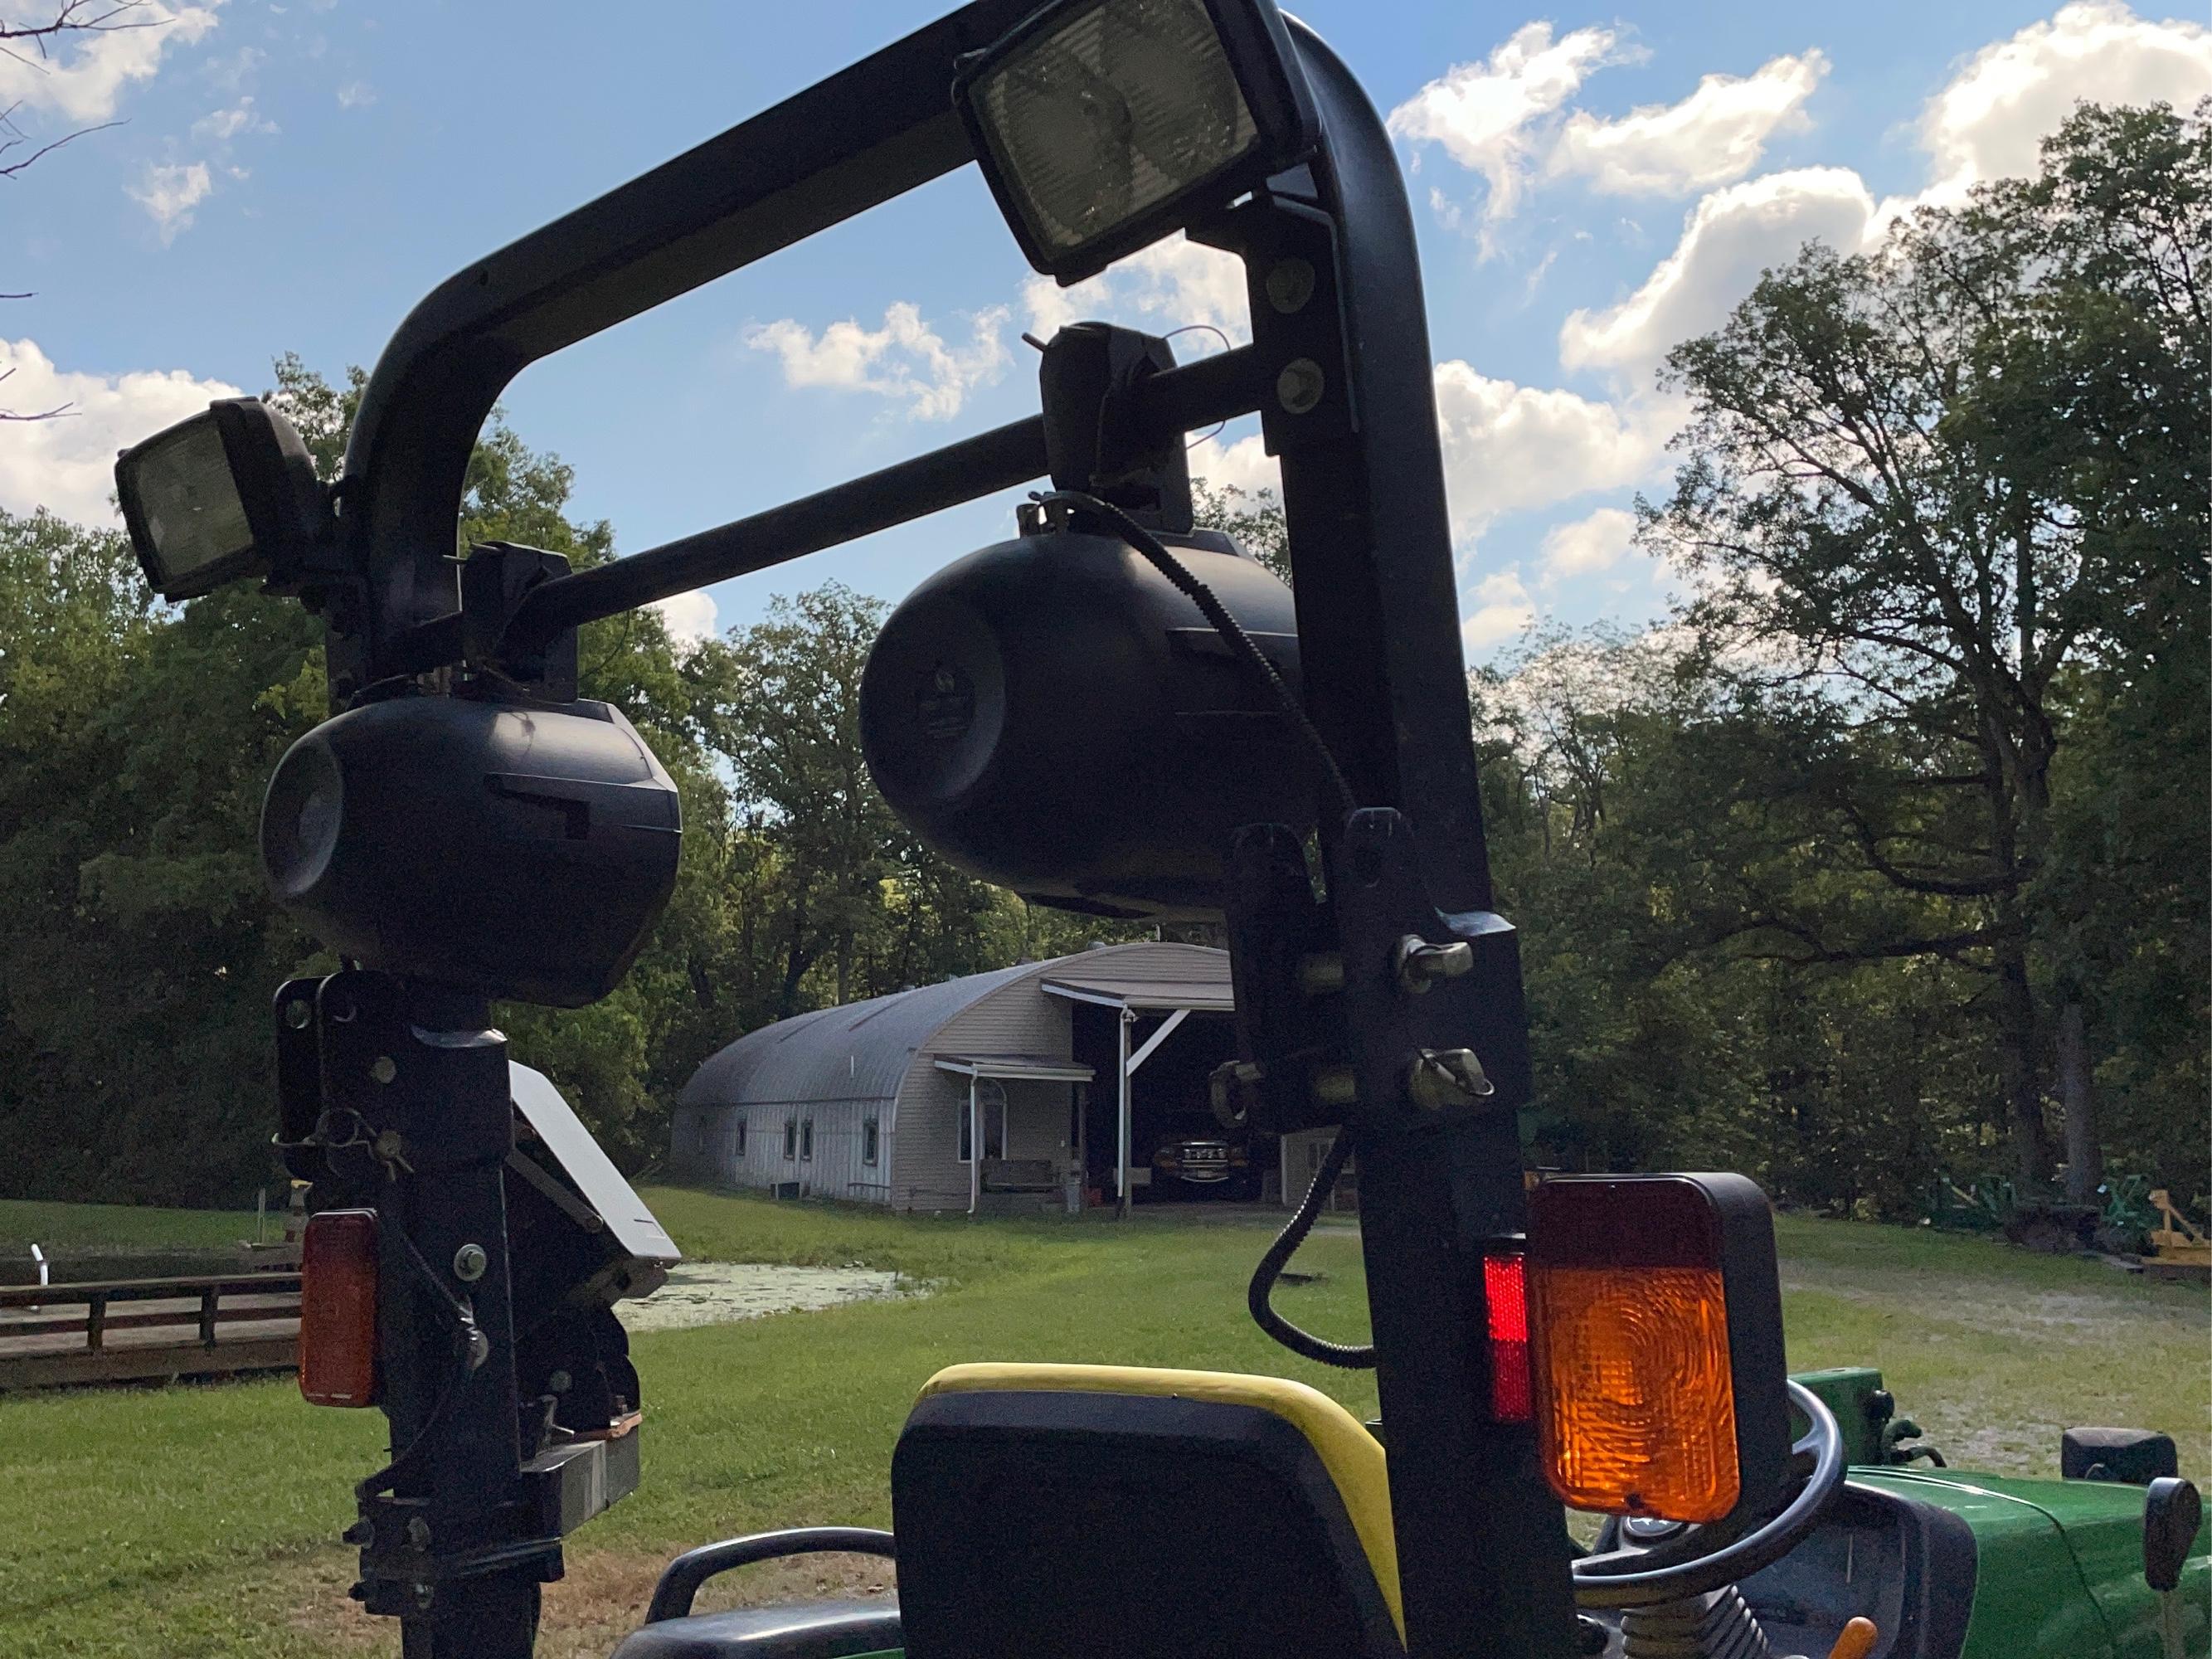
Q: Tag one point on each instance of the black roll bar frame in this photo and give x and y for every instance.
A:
(1344, 385)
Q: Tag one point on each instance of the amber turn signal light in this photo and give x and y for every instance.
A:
(337, 1308)
(1655, 1324)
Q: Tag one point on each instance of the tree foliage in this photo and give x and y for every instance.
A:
(1942, 497)
(1886, 853)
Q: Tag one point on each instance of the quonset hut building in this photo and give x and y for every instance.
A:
(1065, 1075)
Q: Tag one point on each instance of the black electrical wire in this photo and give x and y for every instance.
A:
(470, 1350)
(1232, 632)
(1343, 1355)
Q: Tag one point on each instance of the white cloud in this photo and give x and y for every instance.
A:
(231, 71)
(1502, 609)
(1243, 464)
(906, 360)
(691, 617)
(1715, 134)
(1507, 448)
(1510, 447)
(221, 126)
(68, 463)
(83, 79)
(1729, 238)
(356, 94)
(1491, 117)
(1989, 121)
(170, 192)
(1585, 546)
(1172, 284)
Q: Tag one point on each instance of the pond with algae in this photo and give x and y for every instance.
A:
(720, 1292)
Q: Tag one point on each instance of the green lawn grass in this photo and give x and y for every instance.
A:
(25, 1222)
(200, 1520)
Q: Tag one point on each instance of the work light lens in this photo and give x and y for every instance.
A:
(1635, 1379)
(1120, 108)
(195, 533)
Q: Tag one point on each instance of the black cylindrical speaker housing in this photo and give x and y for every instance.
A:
(1056, 716)
(513, 850)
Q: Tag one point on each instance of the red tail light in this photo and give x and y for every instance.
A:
(337, 1308)
(1504, 1291)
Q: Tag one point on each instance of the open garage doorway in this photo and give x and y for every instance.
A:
(1177, 1152)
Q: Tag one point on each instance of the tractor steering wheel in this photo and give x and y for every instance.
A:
(1694, 1561)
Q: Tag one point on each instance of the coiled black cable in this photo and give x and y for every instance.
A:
(1345, 1356)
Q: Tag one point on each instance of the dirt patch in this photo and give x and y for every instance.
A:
(1976, 1304)
(719, 1292)
(602, 1599)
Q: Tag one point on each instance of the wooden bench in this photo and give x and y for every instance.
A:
(1020, 1175)
(136, 1329)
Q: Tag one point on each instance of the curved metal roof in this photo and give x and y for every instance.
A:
(856, 1052)
(861, 1051)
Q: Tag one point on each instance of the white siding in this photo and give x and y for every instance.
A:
(1020, 1018)
(704, 1146)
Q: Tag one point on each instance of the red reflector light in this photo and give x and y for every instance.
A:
(1505, 1293)
(337, 1308)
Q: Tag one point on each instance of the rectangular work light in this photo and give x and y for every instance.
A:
(229, 494)
(1655, 1326)
(1104, 125)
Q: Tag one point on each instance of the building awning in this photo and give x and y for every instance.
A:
(1034, 1068)
(1210, 994)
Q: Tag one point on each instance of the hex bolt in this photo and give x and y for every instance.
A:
(298, 1012)
(1322, 974)
(1290, 285)
(419, 1533)
(424, 1595)
(383, 1069)
(1420, 965)
(1300, 385)
(559, 1382)
(1334, 1085)
(1440, 1079)
(470, 1262)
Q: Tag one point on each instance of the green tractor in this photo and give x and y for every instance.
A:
(1299, 768)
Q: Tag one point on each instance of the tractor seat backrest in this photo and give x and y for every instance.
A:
(1080, 1510)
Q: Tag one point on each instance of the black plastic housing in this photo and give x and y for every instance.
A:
(286, 509)
(2133, 1458)
(514, 851)
(1056, 716)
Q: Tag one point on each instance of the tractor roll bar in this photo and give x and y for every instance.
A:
(872, 131)
(1347, 405)
(1212, 389)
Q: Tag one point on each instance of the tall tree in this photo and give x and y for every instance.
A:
(1922, 484)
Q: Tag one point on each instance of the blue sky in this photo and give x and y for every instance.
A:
(1590, 187)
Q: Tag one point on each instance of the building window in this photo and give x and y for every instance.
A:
(991, 1107)
(806, 1141)
(868, 1141)
(740, 1135)
(790, 1138)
